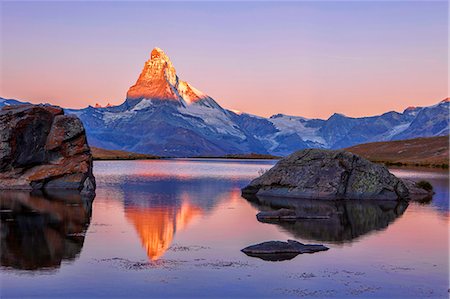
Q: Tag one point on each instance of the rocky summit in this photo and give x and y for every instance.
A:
(159, 81)
(329, 174)
(166, 116)
(41, 148)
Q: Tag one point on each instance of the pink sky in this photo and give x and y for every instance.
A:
(303, 58)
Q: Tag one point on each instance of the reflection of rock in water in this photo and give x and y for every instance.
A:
(40, 230)
(343, 220)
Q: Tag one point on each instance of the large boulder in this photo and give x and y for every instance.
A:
(41, 148)
(328, 174)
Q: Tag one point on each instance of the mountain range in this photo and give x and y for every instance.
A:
(164, 115)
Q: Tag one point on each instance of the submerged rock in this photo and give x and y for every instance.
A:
(41, 148)
(287, 215)
(278, 250)
(328, 174)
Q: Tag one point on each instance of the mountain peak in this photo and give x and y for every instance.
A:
(337, 115)
(159, 53)
(159, 81)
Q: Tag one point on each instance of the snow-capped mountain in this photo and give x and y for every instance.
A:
(158, 81)
(164, 115)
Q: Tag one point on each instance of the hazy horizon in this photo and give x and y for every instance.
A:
(309, 59)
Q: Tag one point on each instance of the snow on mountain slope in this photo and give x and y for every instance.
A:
(287, 124)
(429, 121)
(164, 115)
(215, 118)
(189, 93)
(393, 131)
(167, 116)
(9, 102)
(110, 116)
(204, 128)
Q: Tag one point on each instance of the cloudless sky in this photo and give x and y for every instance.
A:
(304, 58)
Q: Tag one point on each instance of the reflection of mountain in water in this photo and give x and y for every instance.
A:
(343, 221)
(161, 208)
(157, 226)
(40, 230)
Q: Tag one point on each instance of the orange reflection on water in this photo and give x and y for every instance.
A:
(156, 226)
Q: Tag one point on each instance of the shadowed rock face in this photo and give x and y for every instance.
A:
(41, 148)
(338, 221)
(327, 174)
(40, 230)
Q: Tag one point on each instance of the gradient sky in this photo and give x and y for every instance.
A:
(311, 59)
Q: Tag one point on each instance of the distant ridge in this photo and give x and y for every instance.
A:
(166, 116)
(431, 151)
(104, 154)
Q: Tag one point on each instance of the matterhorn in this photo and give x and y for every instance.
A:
(164, 115)
(158, 81)
(167, 116)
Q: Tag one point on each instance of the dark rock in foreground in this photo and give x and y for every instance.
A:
(328, 174)
(41, 148)
(279, 251)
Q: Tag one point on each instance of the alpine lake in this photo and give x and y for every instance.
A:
(176, 227)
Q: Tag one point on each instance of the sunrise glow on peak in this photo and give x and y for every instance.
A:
(236, 111)
(159, 81)
(159, 53)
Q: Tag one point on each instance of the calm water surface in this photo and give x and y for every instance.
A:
(175, 228)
